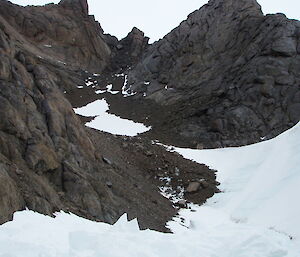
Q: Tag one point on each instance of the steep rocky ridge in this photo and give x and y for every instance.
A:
(65, 32)
(229, 73)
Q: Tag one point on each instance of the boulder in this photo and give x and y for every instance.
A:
(193, 187)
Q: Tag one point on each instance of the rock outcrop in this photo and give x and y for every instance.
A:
(76, 5)
(128, 51)
(229, 73)
(65, 32)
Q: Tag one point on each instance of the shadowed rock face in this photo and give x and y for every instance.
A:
(127, 51)
(229, 73)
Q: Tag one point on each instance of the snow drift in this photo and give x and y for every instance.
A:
(260, 182)
(257, 215)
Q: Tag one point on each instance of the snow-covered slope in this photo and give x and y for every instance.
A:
(256, 216)
(261, 182)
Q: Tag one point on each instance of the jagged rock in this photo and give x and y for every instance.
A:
(62, 33)
(215, 72)
(129, 49)
(80, 5)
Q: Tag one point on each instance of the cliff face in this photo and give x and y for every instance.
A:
(226, 76)
(229, 73)
(65, 32)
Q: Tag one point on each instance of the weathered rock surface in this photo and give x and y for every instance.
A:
(65, 32)
(193, 187)
(127, 51)
(229, 74)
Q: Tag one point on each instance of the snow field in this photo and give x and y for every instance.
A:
(257, 215)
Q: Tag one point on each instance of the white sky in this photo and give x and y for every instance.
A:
(157, 17)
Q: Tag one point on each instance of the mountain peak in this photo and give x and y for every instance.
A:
(81, 5)
(251, 6)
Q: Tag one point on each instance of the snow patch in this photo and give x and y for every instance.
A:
(89, 83)
(126, 90)
(107, 90)
(108, 122)
(260, 184)
(100, 91)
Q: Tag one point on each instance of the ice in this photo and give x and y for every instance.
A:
(256, 216)
(108, 122)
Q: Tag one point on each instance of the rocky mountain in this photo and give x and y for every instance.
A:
(228, 75)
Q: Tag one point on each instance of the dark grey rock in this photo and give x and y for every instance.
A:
(285, 46)
(226, 65)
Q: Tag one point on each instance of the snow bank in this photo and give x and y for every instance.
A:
(260, 182)
(108, 122)
(35, 235)
(256, 216)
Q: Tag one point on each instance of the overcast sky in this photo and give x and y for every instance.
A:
(157, 17)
